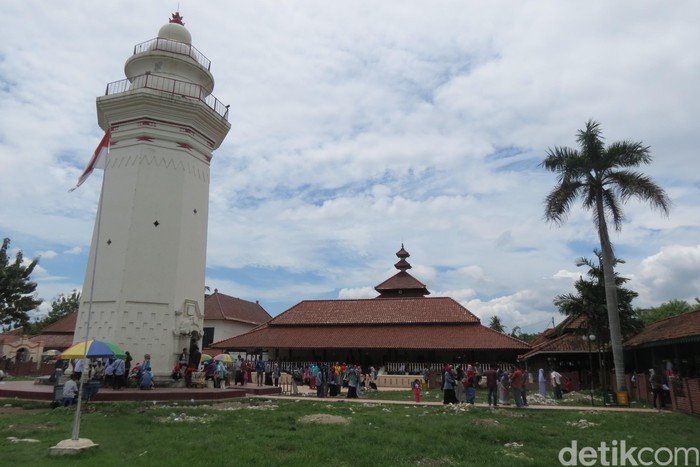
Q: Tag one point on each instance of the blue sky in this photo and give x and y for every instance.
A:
(358, 126)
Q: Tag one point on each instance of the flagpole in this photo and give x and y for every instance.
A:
(76, 419)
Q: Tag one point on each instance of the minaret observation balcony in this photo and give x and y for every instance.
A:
(170, 86)
(169, 45)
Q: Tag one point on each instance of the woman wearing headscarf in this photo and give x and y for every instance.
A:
(470, 386)
(542, 380)
(448, 386)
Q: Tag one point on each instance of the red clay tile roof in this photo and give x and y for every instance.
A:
(412, 336)
(684, 327)
(58, 335)
(400, 323)
(218, 306)
(54, 341)
(64, 325)
(543, 337)
(375, 311)
(402, 281)
(570, 323)
(565, 343)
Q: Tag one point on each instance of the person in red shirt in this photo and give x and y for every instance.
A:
(492, 384)
(517, 382)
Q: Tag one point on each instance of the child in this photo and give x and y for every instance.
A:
(177, 372)
(416, 390)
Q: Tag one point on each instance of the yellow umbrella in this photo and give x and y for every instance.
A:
(224, 357)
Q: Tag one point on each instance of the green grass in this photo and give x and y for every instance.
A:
(256, 432)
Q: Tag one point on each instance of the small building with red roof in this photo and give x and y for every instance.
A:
(58, 335)
(226, 316)
(401, 324)
(672, 342)
(569, 349)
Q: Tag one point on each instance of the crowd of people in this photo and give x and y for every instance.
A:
(329, 379)
(114, 372)
(223, 373)
(459, 385)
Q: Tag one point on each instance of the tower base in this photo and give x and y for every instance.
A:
(71, 447)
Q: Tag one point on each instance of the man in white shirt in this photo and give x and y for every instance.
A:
(78, 368)
(70, 391)
(555, 378)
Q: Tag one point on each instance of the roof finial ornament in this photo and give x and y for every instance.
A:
(402, 265)
(176, 18)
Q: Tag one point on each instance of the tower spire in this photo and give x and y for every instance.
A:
(402, 284)
(176, 18)
(402, 265)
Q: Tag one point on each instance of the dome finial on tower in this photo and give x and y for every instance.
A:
(176, 18)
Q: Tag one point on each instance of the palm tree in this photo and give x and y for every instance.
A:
(496, 324)
(602, 178)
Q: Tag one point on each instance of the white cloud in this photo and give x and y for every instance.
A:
(357, 126)
(564, 274)
(673, 272)
(360, 292)
(48, 254)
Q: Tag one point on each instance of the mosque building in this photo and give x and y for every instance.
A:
(401, 326)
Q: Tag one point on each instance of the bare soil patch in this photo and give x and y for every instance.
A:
(433, 462)
(229, 406)
(11, 410)
(324, 419)
(486, 422)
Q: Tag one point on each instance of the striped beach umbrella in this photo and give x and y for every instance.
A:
(95, 349)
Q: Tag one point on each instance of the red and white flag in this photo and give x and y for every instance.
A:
(98, 161)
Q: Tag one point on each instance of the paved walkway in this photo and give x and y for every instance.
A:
(29, 390)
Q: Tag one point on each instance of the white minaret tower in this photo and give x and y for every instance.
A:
(149, 244)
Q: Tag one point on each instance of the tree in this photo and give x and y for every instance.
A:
(602, 177)
(17, 292)
(665, 310)
(518, 333)
(528, 337)
(496, 325)
(61, 307)
(589, 301)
